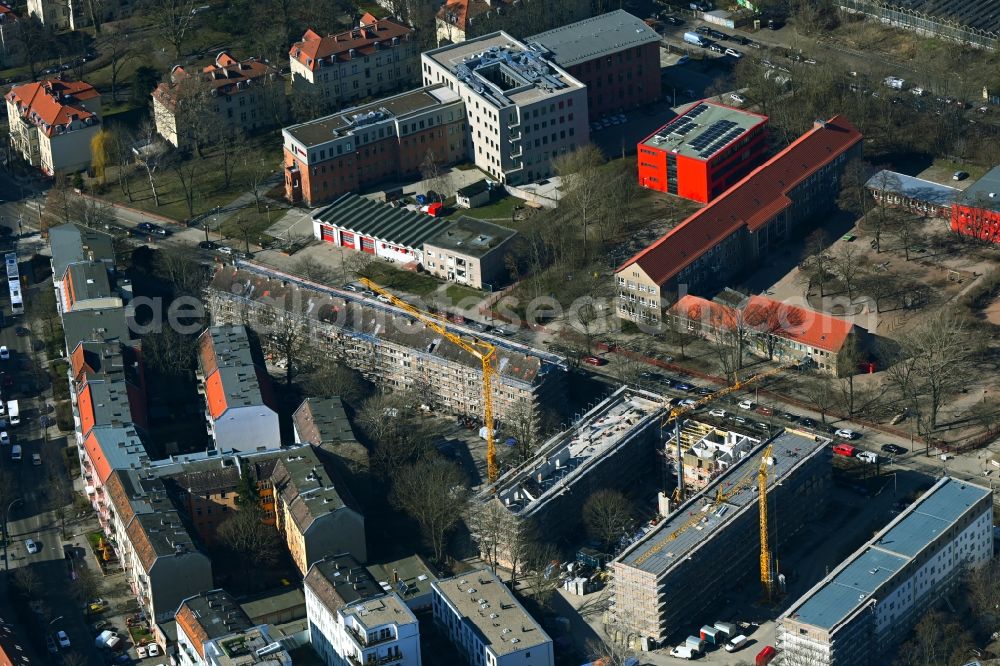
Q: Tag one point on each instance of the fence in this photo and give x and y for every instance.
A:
(925, 24)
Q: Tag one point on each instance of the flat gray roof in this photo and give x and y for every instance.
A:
(471, 237)
(914, 188)
(790, 448)
(494, 613)
(849, 587)
(71, 243)
(703, 129)
(344, 122)
(978, 194)
(366, 217)
(595, 37)
(103, 325)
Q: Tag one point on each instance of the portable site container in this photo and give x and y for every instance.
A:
(695, 643)
(728, 628)
(709, 633)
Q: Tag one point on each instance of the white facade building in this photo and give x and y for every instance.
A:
(487, 624)
(872, 600)
(354, 620)
(523, 109)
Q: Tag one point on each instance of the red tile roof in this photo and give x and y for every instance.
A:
(751, 202)
(458, 12)
(766, 315)
(47, 104)
(224, 77)
(313, 47)
(100, 462)
(798, 324)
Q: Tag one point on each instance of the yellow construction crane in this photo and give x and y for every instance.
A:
(721, 496)
(766, 575)
(484, 351)
(677, 412)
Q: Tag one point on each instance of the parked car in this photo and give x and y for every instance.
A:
(673, 20)
(62, 638)
(4, 438)
(893, 449)
(704, 390)
(502, 332)
(154, 650)
(141, 652)
(681, 386)
(50, 643)
(733, 53)
(788, 416)
(350, 286)
(30, 546)
(845, 450)
(717, 412)
(208, 245)
(765, 411)
(846, 433)
(4, 353)
(383, 298)
(683, 60)
(224, 249)
(807, 423)
(746, 404)
(594, 360)
(716, 47)
(689, 402)
(738, 98)
(868, 457)
(960, 175)
(21, 331)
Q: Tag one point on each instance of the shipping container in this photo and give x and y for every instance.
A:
(765, 656)
(695, 643)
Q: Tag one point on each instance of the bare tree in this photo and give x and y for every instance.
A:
(35, 40)
(885, 183)
(607, 515)
(171, 20)
(188, 172)
(541, 571)
(768, 322)
(849, 265)
(821, 394)
(232, 146)
(854, 196)
(581, 174)
(522, 424)
(149, 155)
(815, 261)
(120, 155)
(249, 538)
(92, 212)
(182, 270)
(120, 49)
(27, 582)
(334, 378)
(432, 171)
(488, 523)
(359, 264)
(851, 356)
(256, 173)
(289, 339)
(433, 492)
(311, 268)
(905, 227)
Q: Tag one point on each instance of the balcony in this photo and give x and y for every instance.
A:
(517, 152)
(363, 641)
(376, 661)
(514, 138)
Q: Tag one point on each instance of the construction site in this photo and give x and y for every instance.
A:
(709, 546)
(610, 447)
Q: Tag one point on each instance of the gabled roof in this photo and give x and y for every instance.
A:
(380, 221)
(458, 12)
(323, 420)
(211, 615)
(313, 47)
(308, 488)
(230, 364)
(799, 324)
(750, 203)
(226, 76)
(52, 103)
(339, 580)
(111, 448)
(159, 534)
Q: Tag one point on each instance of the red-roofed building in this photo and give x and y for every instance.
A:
(229, 94)
(53, 122)
(377, 57)
(772, 329)
(778, 200)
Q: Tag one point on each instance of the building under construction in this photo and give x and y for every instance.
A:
(610, 447)
(666, 581)
(709, 450)
(388, 346)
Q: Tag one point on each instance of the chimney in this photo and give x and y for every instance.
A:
(395, 577)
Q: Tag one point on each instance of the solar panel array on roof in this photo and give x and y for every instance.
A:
(696, 111)
(713, 132)
(721, 141)
(683, 127)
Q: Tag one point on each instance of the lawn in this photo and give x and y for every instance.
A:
(499, 211)
(210, 186)
(408, 281)
(248, 223)
(457, 293)
(140, 634)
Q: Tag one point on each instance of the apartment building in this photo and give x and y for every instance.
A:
(323, 423)
(470, 252)
(160, 558)
(371, 60)
(976, 211)
(314, 511)
(780, 331)
(523, 109)
(616, 55)
(73, 243)
(702, 152)
(76, 14)
(708, 450)
(871, 601)
(609, 447)
(87, 287)
(388, 346)
(486, 623)
(678, 571)
(53, 122)
(205, 491)
(227, 96)
(385, 140)
(214, 630)
(241, 410)
(776, 201)
(355, 620)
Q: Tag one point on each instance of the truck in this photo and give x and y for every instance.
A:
(728, 628)
(696, 643)
(710, 634)
(696, 39)
(13, 413)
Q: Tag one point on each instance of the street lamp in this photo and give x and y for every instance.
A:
(215, 219)
(6, 515)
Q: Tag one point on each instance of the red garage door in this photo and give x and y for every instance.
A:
(327, 234)
(368, 245)
(346, 239)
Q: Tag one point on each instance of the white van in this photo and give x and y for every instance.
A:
(36, 459)
(683, 652)
(15, 452)
(737, 643)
